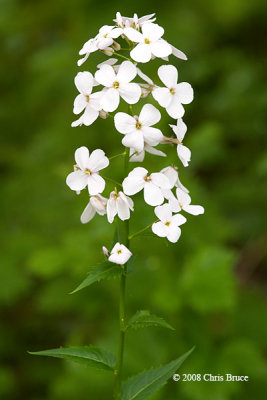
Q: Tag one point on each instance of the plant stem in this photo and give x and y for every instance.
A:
(119, 365)
(141, 230)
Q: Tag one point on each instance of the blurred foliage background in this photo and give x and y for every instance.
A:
(210, 285)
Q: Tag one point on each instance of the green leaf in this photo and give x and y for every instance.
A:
(143, 319)
(105, 270)
(88, 355)
(148, 382)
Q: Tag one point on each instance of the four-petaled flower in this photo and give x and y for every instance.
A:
(86, 100)
(118, 85)
(183, 152)
(168, 226)
(138, 130)
(120, 254)
(183, 202)
(138, 179)
(119, 203)
(87, 171)
(97, 204)
(149, 42)
(174, 94)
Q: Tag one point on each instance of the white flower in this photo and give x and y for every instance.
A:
(97, 204)
(102, 41)
(106, 36)
(138, 179)
(86, 101)
(109, 61)
(138, 130)
(182, 202)
(138, 156)
(118, 85)
(86, 171)
(149, 42)
(89, 47)
(133, 22)
(168, 226)
(119, 254)
(119, 204)
(183, 152)
(173, 176)
(105, 251)
(173, 95)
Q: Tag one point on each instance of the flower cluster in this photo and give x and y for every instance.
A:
(100, 96)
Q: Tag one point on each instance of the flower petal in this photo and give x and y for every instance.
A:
(124, 123)
(152, 194)
(79, 104)
(160, 180)
(183, 197)
(163, 96)
(178, 219)
(152, 136)
(141, 53)
(84, 82)
(168, 74)
(194, 210)
(184, 154)
(134, 140)
(81, 157)
(97, 161)
(105, 75)
(96, 184)
(127, 72)
(178, 53)
(152, 31)
(110, 100)
(111, 209)
(77, 180)
(134, 182)
(185, 92)
(161, 49)
(123, 209)
(171, 174)
(174, 234)
(160, 229)
(88, 213)
(133, 35)
(163, 213)
(130, 92)
(149, 115)
(89, 115)
(175, 108)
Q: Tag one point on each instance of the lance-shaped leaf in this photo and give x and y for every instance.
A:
(105, 270)
(143, 319)
(142, 386)
(88, 355)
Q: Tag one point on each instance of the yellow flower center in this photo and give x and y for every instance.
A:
(172, 90)
(88, 172)
(147, 179)
(87, 98)
(167, 223)
(147, 41)
(138, 125)
(119, 252)
(116, 85)
(180, 204)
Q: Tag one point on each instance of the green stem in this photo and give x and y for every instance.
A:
(119, 365)
(120, 55)
(117, 155)
(141, 230)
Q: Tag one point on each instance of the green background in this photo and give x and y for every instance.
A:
(210, 285)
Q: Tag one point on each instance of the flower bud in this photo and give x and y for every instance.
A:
(103, 114)
(105, 251)
(108, 51)
(116, 46)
